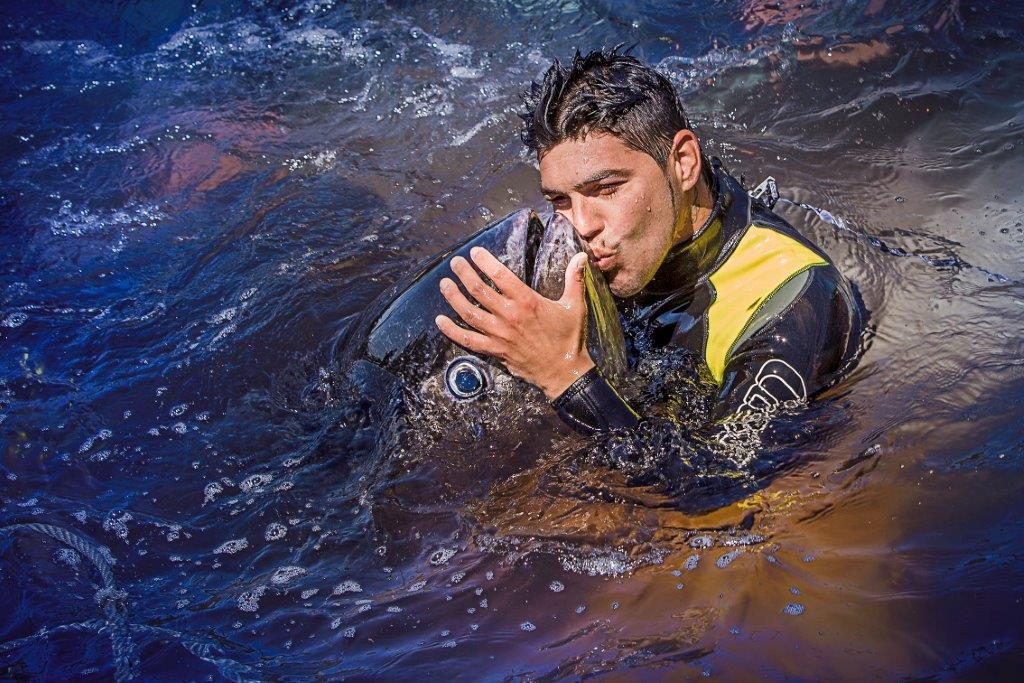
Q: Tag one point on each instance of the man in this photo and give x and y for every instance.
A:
(683, 247)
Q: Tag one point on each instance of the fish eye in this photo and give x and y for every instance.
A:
(465, 378)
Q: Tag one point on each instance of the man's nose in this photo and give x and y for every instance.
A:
(586, 220)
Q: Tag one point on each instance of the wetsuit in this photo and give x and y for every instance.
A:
(769, 316)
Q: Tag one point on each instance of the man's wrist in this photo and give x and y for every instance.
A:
(580, 366)
(591, 405)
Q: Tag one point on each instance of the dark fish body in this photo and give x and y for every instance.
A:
(460, 416)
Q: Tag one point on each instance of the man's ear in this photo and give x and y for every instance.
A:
(684, 159)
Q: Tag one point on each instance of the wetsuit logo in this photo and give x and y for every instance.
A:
(776, 382)
(777, 385)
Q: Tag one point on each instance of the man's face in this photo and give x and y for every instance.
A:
(625, 207)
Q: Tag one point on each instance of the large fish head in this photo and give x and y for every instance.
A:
(449, 397)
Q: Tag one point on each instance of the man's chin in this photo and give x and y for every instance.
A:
(620, 286)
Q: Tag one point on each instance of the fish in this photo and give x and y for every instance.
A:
(449, 421)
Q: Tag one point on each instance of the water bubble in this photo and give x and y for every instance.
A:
(900, 200)
(442, 556)
(14, 320)
(350, 632)
(727, 559)
(308, 593)
(701, 542)
(580, 609)
(275, 531)
(255, 482)
(557, 586)
(527, 626)
(417, 586)
(793, 609)
(691, 562)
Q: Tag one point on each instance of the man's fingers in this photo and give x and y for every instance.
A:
(474, 341)
(471, 314)
(485, 295)
(572, 294)
(507, 281)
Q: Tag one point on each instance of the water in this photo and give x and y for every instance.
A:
(198, 201)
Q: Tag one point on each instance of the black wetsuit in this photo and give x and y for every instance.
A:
(767, 313)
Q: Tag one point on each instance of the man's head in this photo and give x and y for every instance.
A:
(618, 159)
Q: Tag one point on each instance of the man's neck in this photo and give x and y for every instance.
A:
(703, 204)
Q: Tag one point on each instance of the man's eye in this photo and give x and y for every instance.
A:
(559, 202)
(608, 189)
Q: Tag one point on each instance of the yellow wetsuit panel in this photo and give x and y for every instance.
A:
(762, 262)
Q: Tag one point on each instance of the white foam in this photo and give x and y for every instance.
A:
(231, 547)
(286, 574)
(255, 483)
(250, 600)
(118, 523)
(211, 491)
(348, 586)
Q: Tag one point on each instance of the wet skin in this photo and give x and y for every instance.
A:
(627, 209)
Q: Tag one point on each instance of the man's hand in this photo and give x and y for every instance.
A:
(538, 340)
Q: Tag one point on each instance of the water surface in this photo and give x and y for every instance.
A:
(197, 203)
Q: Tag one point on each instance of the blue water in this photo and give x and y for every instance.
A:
(197, 201)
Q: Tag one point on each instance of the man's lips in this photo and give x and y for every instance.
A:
(602, 260)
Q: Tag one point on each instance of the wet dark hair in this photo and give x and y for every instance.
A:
(605, 91)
